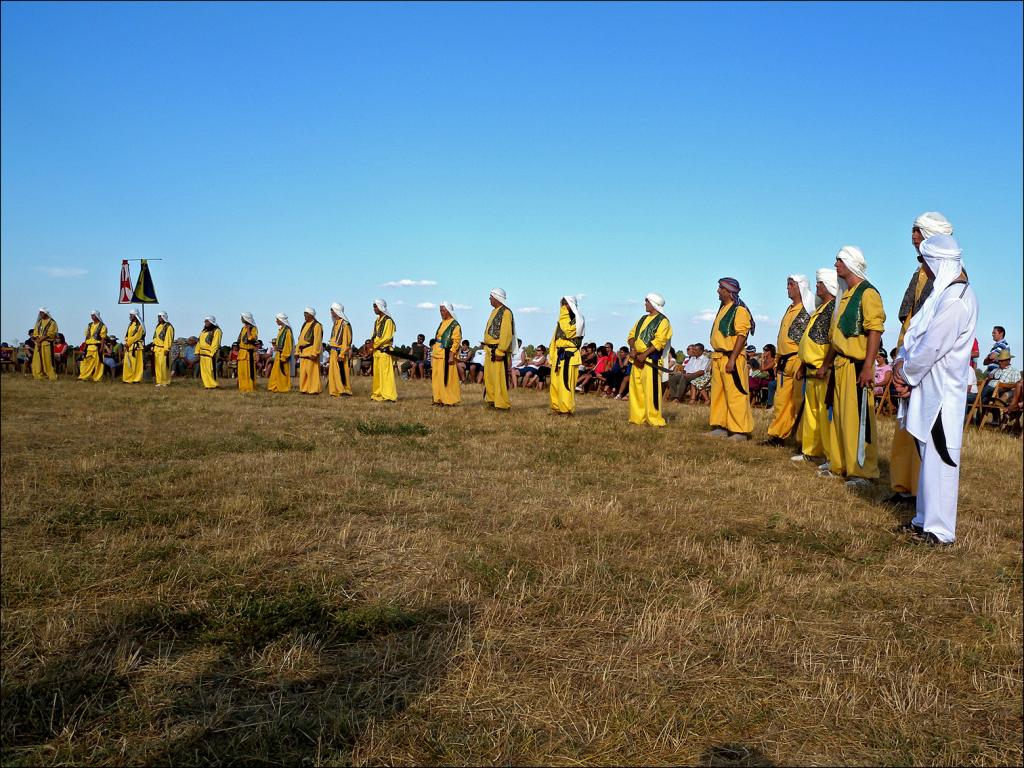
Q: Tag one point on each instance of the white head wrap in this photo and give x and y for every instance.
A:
(827, 276)
(162, 314)
(310, 311)
(852, 257)
(941, 254)
(382, 306)
(450, 307)
(656, 299)
(97, 315)
(499, 294)
(339, 310)
(211, 318)
(133, 312)
(933, 223)
(45, 311)
(581, 323)
(806, 294)
(282, 317)
(247, 318)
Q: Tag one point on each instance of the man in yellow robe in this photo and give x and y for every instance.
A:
(499, 335)
(338, 373)
(281, 368)
(814, 346)
(648, 339)
(444, 375)
(858, 322)
(247, 338)
(95, 338)
(163, 340)
(43, 335)
(564, 355)
(207, 349)
(308, 347)
(731, 416)
(904, 459)
(789, 390)
(134, 347)
(384, 389)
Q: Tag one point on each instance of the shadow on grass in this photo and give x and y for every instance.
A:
(250, 677)
(733, 755)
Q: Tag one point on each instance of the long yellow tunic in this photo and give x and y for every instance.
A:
(207, 349)
(384, 389)
(247, 338)
(499, 336)
(163, 340)
(788, 391)
(564, 354)
(43, 334)
(92, 363)
(904, 460)
(730, 403)
(338, 374)
(850, 352)
(649, 332)
(308, 347)
(280, 371)
(134, 343)
(814, 346)
(444, 376)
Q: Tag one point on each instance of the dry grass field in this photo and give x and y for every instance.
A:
(204, 577)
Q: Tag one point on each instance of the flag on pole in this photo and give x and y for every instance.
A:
(126, 284)
(144, 293)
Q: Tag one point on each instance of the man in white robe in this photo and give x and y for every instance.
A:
(931, 372)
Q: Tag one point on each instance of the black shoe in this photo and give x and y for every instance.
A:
(772, 441)
(910, 528)
(934, 541)
(899, 498)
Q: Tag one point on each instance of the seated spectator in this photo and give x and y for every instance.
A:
(700, 387)
(534, 373)
(233, 361)
(883, 373)
(519, 362)
(463, 356)
(588, 365)
(7, 357)
(681, 383)
(60, 353)
(416, 368)
(999, 345)
(757, 380)
(768, 367)
(113, 356)
(606, 358)
(475, 367)
(1004, 374)
(365, 357)
(615, 372)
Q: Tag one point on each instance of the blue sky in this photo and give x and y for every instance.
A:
(279, 155)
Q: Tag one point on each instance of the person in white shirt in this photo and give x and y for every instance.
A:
(930, 375)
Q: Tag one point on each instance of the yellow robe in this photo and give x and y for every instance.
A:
(447, 339)
(814, 427)
(384, 389)
(308, 347)
(92, 363)
(207, 349)
(280, 372)
(842, 440)
(730, 404)
(499, 335)
(564, 354)
(163, 340)
(788, 391)
(134, 344)
(247, 339)
(338, 373)
(649, 332)
(904, 460)
(42, 353)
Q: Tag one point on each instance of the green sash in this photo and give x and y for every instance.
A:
(647, 334)
(445, 339)
(281, 336)
(494, 329)
(727, 325)
(851, 321)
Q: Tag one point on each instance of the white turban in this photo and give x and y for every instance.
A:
(806, 294)
(450, 307)
(827, 277)
(211, 318)
(310, 311)
(499, 294)
(97, 315)
(161, 314)
(339, 310)
(656, 299)
(581, 323)
(933, 223)
(941, 254)
(44, 311)
(133, 312)
(247, 318)
(282, 317)
(852, 257)
(382, 306)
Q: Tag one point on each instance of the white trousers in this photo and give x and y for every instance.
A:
(937, 491)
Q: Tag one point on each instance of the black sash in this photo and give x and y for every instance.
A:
(736, 380)
(939, 438)
(780, 366)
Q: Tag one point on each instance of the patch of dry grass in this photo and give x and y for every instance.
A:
(193, 577)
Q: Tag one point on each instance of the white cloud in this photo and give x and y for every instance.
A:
(405, 282)
(461, 306)
(426, 305)
(704, 316)
(762, 318)
(530, 310)
(397, 303)
(63, 271)
(617, 314)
